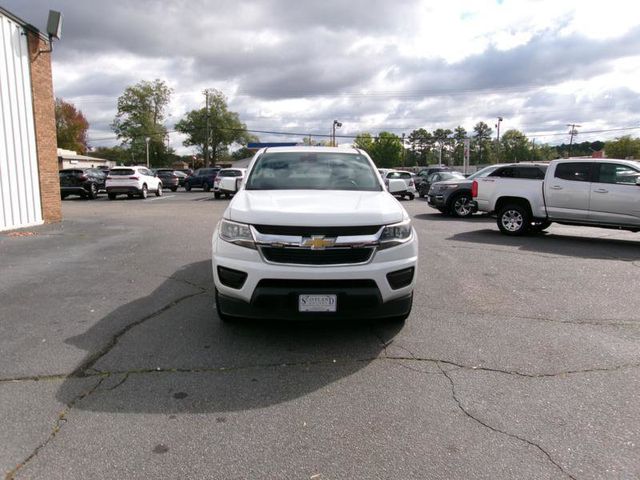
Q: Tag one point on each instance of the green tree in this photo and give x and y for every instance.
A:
(71, 127)
(481, 143)
(459, 135)
(544, 153)
(514, 146)
(141, 113)
(442, 138)
(421, 142)
(387, 150)
(623, 147)
(225, 127)
(365, 142)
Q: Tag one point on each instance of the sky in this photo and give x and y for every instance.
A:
(374, 65)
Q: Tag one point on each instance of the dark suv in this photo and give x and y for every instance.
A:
(422, 175)
(203, 177)
(85, 182)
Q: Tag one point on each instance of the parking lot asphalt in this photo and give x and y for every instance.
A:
(520, 360)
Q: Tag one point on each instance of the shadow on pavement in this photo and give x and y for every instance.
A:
(178, 356)
(439, 217)
(549, 243)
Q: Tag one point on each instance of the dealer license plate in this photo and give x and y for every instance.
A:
(317, 303)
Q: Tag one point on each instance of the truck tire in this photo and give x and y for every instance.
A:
(206, 187)
(514, 219)
(187, 186)
(216, 195)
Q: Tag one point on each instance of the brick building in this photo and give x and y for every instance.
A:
(29, 183)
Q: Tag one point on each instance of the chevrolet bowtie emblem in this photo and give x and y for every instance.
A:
(318, 242)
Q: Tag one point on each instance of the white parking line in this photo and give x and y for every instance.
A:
(159, 198)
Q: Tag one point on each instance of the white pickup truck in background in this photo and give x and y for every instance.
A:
(590, 192)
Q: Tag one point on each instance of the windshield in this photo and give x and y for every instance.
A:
(483, 172)
(313, 171)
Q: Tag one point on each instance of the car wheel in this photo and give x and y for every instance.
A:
(222, 316)
(173, 189)
(461, 206)
(206, 187)
(144, 193)
(92, 194)
(537, 227)
(159, 190)
(187, 186)
(216, 195)
(411, 196)
(227, 195)
(514, 219)
(112, 196)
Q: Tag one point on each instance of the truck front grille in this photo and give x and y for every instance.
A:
(306, 256)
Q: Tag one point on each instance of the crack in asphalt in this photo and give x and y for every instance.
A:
(81, 371)
(497, 430)
(60, 421)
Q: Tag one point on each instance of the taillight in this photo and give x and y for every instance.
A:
(134, 178)
(474, 189)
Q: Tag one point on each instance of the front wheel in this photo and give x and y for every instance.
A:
(461, 206)
(514, 220)
(92, 194)
(159, 190)
(187, 187)
(206, 187)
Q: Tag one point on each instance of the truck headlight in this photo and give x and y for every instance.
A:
(238, 233)
(395, 234)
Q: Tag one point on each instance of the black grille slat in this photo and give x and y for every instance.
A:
(304, 256)
(321, 284)
(326, 231)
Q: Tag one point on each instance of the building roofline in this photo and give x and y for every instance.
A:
(23, 24)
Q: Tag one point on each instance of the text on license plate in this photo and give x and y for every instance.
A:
(317, 303)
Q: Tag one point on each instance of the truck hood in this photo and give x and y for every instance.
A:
(314, 208)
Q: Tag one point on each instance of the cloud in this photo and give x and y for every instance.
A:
(375, 65)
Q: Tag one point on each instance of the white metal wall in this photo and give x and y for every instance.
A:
(19, 184)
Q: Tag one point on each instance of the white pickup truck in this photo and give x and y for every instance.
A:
(590, 192)
(313, 232)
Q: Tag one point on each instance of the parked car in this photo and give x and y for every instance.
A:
(85, 182)
(228, 181)
(186, 171)
(425, 185)
(169, 178)
(454, 196)
(409, 191)
(314, 233)
(202, 178)
(132, 181)
(425, 172)
(181, 177)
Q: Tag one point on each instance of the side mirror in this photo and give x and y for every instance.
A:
(396, 185)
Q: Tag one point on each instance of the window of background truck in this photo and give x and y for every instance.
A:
(576, 172)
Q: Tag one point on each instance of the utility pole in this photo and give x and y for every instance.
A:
(498, 137)
(403, 149)
(336, 123)
(572, 132)
(206, 133)
(146, 140)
